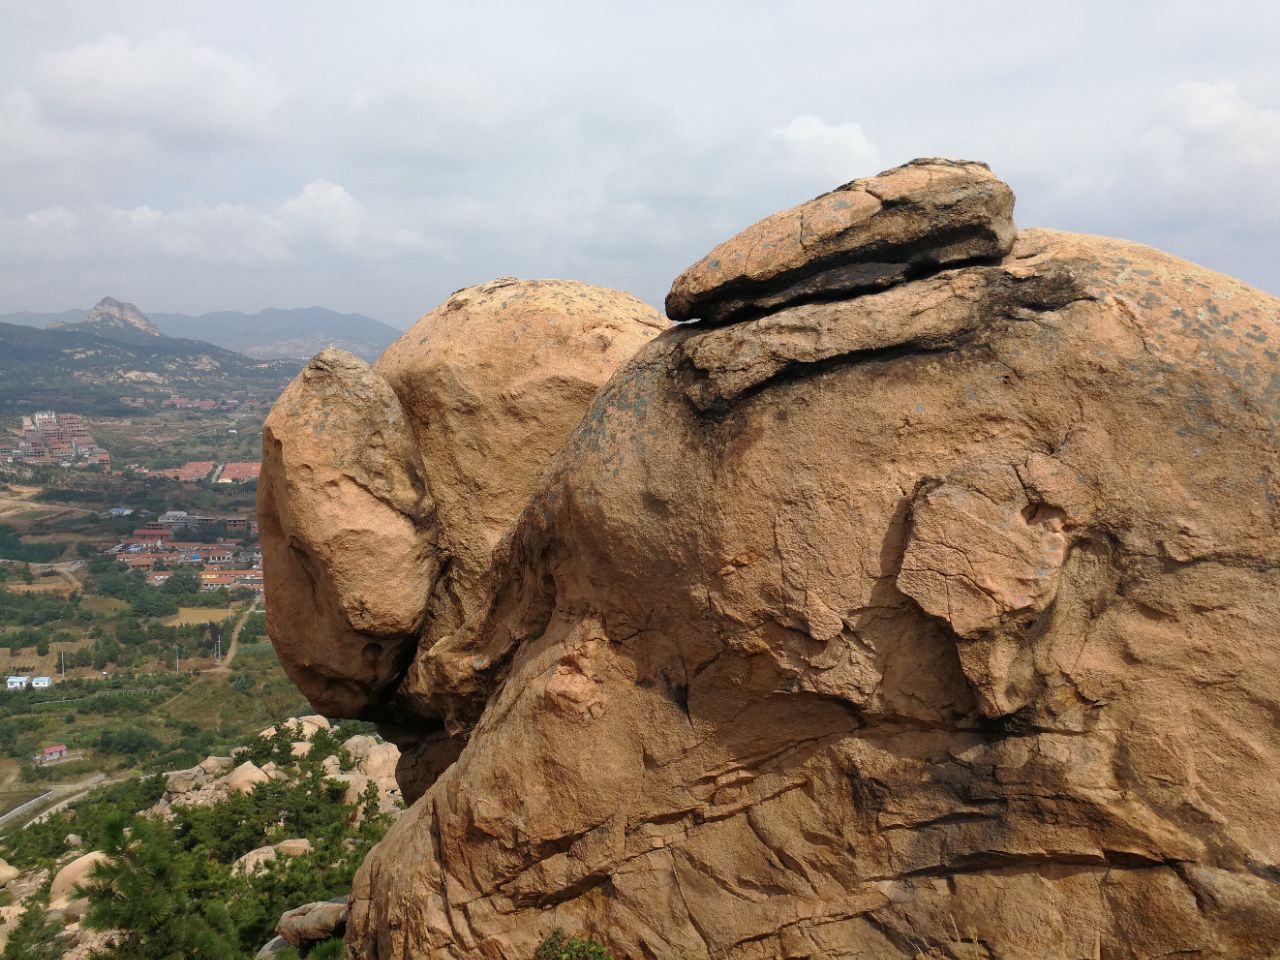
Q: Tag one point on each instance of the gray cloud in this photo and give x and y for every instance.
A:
(269, 154)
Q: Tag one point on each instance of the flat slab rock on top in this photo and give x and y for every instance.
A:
(866, 235)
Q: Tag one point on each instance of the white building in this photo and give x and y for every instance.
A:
(16, 683)
(41, 683)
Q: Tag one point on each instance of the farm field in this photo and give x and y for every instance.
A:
(96, 604)
(187, 616)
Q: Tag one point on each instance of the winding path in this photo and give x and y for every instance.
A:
(234, 645)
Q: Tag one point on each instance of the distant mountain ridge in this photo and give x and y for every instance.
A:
(268, 334)
(298, 333)
(87, 367)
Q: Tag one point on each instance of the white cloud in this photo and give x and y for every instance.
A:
(1210, 141)
(393, 153)
(837, 152)
(322, 219)
(163, 86)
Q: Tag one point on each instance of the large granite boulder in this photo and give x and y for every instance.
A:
(62, 890)
(348, 532)
(244, 778)
(926, 610)
(313, 923)
(385, 490)
(259, 859)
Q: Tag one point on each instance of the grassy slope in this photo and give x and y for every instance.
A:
(225, 707)
(214, 702)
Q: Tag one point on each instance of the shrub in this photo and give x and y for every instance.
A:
(36, 937)
(559, 947)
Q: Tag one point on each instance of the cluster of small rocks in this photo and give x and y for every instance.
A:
(216, 778)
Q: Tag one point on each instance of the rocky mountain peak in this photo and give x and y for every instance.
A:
(110, 312)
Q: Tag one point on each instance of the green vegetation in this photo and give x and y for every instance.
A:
(78, 370)
(559, 947)
(13, 547)
(109, 578)
(149, 722)
(170, 884)
(43, 842)
(36, 609)
(36, 937)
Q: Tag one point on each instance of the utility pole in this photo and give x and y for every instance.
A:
(64, 662)
(176, 660)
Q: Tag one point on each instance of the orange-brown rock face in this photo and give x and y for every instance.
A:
(937, 620)
(384, 490)
(349, 540)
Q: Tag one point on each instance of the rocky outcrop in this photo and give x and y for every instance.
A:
(9, 917)
(374, 762)
(8, 873)
(259, 859)
(313, 923)
(112, 313)
(245, 777)
(369, 544)
(858, 238)
(922, 600)
(351, 532)
(216, 766)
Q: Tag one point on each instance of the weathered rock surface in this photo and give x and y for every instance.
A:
(314, 923)
(863, 236)
(370, 542)
(244, 778)
(303, 728)
(375, 763)
(88, 944)
(216, 766)
(8, 873)
(185, 781)
(349, 532)
(256, 860)
(24, 885)
(274, 947)
(937, 620)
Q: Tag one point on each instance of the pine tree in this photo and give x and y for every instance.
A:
(141, 891)
(35, 937)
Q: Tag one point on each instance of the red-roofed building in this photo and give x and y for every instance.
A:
(190, 472)
(239, 472)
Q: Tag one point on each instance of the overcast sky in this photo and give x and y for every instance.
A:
(373, 158)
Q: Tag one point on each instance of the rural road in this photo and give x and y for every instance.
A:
(36, 504)
(234, 645)
(66, 793)
(80, 789)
